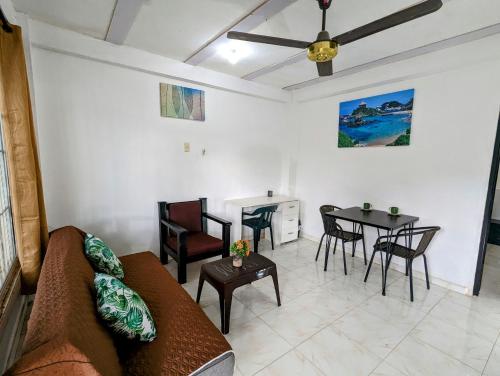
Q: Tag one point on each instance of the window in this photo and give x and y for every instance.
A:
(7, 245)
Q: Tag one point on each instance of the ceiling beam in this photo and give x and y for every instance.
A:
(405, 55)
(271, 68)
(122, 20)
(248, 22)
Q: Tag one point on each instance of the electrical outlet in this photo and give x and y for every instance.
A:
(187, 147)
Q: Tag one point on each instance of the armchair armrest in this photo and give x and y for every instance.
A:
(226, 231)
(174, 227)
(181, 234)
(214, 218)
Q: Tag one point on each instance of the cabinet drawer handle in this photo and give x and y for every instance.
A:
(290, 233)
(291, 207)
(291, 220)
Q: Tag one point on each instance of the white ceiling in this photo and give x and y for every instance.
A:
(178, 28)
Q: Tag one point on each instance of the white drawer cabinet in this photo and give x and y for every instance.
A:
(288, 221)
(285, 220)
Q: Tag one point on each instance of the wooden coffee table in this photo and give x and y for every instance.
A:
(225, 278)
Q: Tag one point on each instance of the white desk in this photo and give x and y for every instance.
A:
(285, 220)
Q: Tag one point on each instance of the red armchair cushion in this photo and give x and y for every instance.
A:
(186, 214)
(198, 243)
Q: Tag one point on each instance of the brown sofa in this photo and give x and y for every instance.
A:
(66, 337)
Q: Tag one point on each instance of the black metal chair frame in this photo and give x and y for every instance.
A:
(168, 227)
(427, 234)
(332, 230)
(265, 214)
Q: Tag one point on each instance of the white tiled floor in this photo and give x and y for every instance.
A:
(331, 324)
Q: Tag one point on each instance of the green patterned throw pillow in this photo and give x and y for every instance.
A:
(123, 309)
(102, 257)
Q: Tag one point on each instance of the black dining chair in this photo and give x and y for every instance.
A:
(334, 230)
(384, 244)
(261, 218)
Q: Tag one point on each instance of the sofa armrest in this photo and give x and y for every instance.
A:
(223, 365)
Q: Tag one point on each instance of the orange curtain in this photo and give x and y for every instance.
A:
(28, 209)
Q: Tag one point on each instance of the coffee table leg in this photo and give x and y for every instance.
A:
(274, 274)
(200, 287)
(222, 313)
(228, 298)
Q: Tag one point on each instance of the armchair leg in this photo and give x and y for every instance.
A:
(181, 272)
(226, 240)
(163, 256)
(319, 247)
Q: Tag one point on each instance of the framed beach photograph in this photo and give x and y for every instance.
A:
(381, 120)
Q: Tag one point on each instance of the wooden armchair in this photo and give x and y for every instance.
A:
(183, 234)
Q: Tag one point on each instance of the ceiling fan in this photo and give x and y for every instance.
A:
(324, 49)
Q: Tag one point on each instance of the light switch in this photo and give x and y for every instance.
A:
(187, 147)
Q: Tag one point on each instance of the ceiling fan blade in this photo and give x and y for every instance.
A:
(267, 40)
(408, 14)
(325, 69)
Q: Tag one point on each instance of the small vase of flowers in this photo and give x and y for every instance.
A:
(239, 249)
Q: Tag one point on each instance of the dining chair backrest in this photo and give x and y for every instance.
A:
(326, 219)
(426, 233)
(265, 214)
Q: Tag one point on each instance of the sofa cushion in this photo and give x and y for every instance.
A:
(186, 214)
(186, 338)
(198, 243)
(123, 309)
(102, 257)
(65, 335)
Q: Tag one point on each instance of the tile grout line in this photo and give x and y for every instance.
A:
(491, 352)
(406, 336)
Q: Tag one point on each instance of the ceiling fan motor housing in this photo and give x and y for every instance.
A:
(323, 49)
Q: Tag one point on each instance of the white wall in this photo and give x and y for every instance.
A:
(107, 156)
(441, 177)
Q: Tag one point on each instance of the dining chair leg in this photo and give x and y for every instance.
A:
(370, 265)
(343, 255)
(410, 267)
(327, 251)
(335, 245)
(319, 247)
(256, 238)
(426, 273)
(354, 248)
(272, 238)
(383, 274)
(406, 272)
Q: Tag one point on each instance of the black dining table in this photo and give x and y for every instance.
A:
(381, 220)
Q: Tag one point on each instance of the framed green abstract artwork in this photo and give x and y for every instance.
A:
(182, 102)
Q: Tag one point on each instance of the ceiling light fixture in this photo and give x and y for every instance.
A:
(234, 51)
